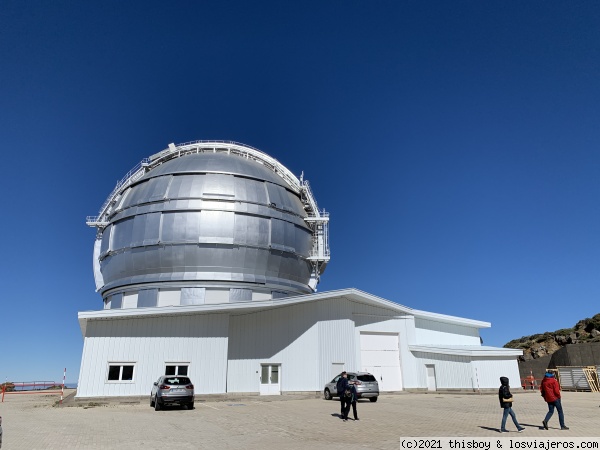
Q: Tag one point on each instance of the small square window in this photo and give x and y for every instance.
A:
(114, 373)
(127, 373)
(176, 369)
(120, 372)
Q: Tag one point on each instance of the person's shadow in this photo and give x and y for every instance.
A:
(490, 429)
(497, 430)
(339, 416)
(539, 427)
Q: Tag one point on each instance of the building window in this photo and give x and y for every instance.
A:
(176, 369)
(120, 372)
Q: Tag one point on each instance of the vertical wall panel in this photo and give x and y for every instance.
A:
(286, 336)
(150, 342)
(225, 352)
(130, 300)
(192, 296)
(169, 297)
(488, 370)
(336, 337)
(147, 298)
(433, 332)
(451, 371)
(106, 240)
(122, 234)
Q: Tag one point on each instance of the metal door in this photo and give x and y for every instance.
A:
(270, 380)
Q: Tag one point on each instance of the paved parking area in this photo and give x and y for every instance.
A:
(32, 422)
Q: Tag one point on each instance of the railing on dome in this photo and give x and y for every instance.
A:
(318, 221)
(132, 176)
(174, 151)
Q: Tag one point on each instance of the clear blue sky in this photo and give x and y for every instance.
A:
(456, 145)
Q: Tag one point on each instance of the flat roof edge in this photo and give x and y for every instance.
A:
(484, 351)
(349, 293)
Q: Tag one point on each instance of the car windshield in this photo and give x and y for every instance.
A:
(366, 378)
(177, 381)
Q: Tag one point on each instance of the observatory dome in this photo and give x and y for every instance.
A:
(208, 222)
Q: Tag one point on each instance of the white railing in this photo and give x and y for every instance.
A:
(236, 148)
(131, 176)
(200, 146)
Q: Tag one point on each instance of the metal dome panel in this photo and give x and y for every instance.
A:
(227, 224)
(216, 163)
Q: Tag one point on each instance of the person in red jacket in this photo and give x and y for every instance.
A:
(551, 393)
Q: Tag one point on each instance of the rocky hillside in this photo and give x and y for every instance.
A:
(539, 345)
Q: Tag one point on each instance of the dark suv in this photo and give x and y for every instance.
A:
(172, 389)
(366, 386)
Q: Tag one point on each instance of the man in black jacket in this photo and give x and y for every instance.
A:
(351, 400)
(341, 386)
(506, 400)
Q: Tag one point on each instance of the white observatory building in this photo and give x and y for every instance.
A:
(207, 257)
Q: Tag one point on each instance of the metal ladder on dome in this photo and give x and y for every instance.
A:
(318, 221)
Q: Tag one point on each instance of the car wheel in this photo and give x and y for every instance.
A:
(327, 395)
(156, 404)
(191, 405)
(373, 399)
(151, 402)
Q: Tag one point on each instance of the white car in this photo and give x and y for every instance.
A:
(172, 389)
(366, 386)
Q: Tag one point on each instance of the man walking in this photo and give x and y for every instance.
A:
(551, 393)
(341, 386)
(351, 400)
(506, 401)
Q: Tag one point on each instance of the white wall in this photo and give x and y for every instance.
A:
(432, 332)
(451, 371)
(130, 300)
(305, 339)
(488, 370)
(149, 343)
(169, 297)
(468, 372)
(380, 320)
(226, 350)
(286, 336)
(337, 340)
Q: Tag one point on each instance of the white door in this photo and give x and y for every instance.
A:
(380, 355)
(270, 379)
(336, 369)
(431, 384)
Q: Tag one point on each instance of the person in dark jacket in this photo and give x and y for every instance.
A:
(341, 386)
(551, 392)
(351, 401)
(504, 395)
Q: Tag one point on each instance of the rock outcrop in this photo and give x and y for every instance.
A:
(539, 345)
